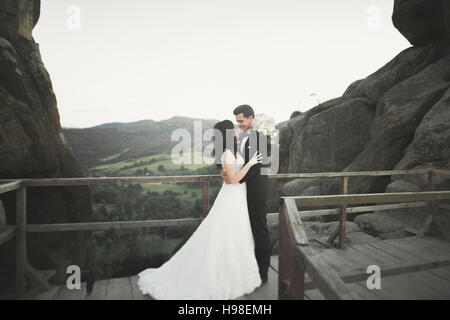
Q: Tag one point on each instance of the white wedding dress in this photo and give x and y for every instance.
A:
(218, 261)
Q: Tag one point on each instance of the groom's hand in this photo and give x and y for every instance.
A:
(225, 177)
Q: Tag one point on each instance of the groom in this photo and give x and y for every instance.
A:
(257, 185)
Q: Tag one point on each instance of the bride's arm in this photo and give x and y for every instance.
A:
(234, 177)
(224, 176)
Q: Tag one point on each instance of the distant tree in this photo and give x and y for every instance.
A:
(197, 209)
(161, 168)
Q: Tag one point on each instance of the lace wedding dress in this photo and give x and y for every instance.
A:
(218, 261)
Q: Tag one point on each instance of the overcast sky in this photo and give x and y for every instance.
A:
(115, 60)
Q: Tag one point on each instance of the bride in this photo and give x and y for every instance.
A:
(218, 261)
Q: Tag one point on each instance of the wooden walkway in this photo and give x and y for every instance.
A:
(423, 262)
(127, 289)
(428, 281)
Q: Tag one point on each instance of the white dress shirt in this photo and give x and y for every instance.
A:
(243, 144)
(244, 140)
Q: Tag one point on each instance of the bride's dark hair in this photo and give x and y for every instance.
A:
(225, 128)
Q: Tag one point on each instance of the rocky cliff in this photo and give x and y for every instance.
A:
(32, 145)
(396, 118)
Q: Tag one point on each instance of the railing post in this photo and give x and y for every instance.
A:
(431, 203)
(21, 239)
(343, 215)
(291, 276)
(297, 280)
(205, 198)
(340, 229)
(431, 207)
(283, 259)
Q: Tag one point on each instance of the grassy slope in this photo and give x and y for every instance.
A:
(122, 168)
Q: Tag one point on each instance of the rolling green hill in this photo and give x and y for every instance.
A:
(118, 142)
(159, 164)
(140, 148)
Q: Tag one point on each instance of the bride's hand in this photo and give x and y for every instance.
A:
(257, 158)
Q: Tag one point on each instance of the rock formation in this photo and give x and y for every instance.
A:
(396, 118)
(32, 145)
(421, 21)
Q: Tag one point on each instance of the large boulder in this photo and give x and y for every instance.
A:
(396, 118)
(431, 142)
(326, 138)
(381, 225)
(285, 139)
(422, 21)
(323, 229)
(329, 140)
(399, 113)
(296, 187)
(32, 146)
(332, 138)
(406, 64)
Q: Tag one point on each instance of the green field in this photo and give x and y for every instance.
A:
(129, 167)
(114, 156)
(142, 167)
(187, 194)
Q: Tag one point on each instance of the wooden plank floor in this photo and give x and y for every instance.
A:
(426, 284)
(269, 290)
(126, 289)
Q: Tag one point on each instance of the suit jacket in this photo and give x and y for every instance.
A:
(257, 184)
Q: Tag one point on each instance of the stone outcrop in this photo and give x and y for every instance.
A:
(32, 145)
(422, 21)
(396, 118)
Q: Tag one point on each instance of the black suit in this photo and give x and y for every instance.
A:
(257, 194)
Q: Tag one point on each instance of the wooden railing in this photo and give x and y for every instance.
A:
(297, 257)
(21, 228)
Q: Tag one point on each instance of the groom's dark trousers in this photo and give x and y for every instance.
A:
(257, 194)
(257, 212)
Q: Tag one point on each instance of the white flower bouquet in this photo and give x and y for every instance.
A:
(266, 125)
